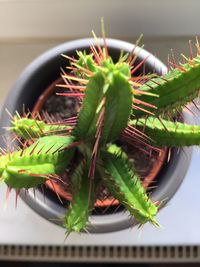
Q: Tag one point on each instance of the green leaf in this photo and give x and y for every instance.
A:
(82, 200)
(32, 166)
(110, 89)
(168, 133)
(32, 128)
(173, 90)
(118, 107)
(87, 120)
(125, 185)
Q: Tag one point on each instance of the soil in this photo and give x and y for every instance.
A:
(61, 107)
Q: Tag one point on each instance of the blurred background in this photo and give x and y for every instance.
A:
(29, 27)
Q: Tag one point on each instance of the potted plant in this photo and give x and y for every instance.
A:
(120, 103)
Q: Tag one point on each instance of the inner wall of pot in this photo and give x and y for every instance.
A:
(33, 81)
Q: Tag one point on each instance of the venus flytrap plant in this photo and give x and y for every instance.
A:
(116, 105)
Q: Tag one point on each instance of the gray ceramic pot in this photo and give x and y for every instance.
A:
(32, 82)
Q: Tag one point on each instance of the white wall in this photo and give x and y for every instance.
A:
(72, 18)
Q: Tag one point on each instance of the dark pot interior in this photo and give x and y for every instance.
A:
(29, 86)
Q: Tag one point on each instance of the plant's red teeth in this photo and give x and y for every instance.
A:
(17, 191)
(157, 83)
(116, 209)
(33, 132)
(130, 140)
(198, 47)
(60, 132)
(191, 62)
(49, 149)
(169, 155)
(37, 116)
(21, 171)
(130, 56)
(189, 111)
(69, 58)
(40, 150)
(8, 191)
(3, 152)
(139, 92)
(25, 193)
(17, 113)
(32, 115)
(22, 151)
(190, 49)
(172, 56)
(135, 84)
(133, 133)
(54, 189)
(85, 70)
(151, 87)
(186, 60)
(47, 118)
(146, 77)
(195, 105)
(140, 132)
(97, 136)
(17, 148)
(142, 109)
(74, 78)
(28, 133)
(135, 136)
(96, 55)
(71, 119)
(130, 135)
(57, 178)
(164, 79)
(127, 136)
(62, 74)
(162, 123)
(57, 150)
(101, 55)
(37, 124)
(9, 114)
(177, 66)
(72, 87)
(140, 102)
(111, 204)
(135, 57)
(139, 65)
(75, 144)
(71, 94)
(32, 151)
(34, 193)
(103, 33)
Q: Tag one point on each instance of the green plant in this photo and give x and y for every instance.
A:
(115, 104)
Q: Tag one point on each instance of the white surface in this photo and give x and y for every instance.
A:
(180, 221)
(66, 18)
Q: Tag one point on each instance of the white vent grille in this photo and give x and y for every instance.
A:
(101, 253)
